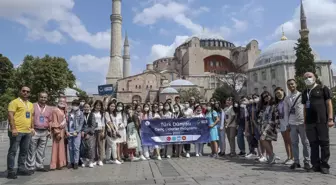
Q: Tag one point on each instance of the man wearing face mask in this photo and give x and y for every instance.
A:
(241, 126)
(318, 116)
(73, 131)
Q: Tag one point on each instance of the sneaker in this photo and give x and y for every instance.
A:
(100, 163)
(168, 157)
(289, 162)
(277, 158)
(91, 165)
(251, 156)
(83, 165)
(325, 170)
(159, 158)
(306, 166)
(263, 159)
(242, 154)
(197, 155)
(294, 166)
(187, 155)
(134, 159)
(116, 162)
(24, 173)
(143, 158)
(271, 159)
(11, 175)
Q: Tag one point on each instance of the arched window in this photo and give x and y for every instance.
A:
(136, 86)
(211, 63)
(150, 86)
(217, 64)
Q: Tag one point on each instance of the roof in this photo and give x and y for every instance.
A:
(280, 51)
(169, 90)
(181, 82)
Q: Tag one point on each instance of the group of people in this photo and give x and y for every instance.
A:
(104, 133)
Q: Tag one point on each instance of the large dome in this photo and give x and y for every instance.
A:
(279, 51)
(169, 90)
(212, 39)
(181, 82)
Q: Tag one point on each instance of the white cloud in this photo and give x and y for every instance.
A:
(36, 16)
(78, 83)
(159, 51)
(320, 19)
(254, 11)
(90, 63)
(202, 9)
(239, 25)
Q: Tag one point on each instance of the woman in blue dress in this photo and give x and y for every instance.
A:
(213, 119)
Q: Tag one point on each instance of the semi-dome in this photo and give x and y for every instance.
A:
(282, 50)
(169, 90)
(181, 82)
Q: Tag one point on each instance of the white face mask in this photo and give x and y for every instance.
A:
(160, 107)
(167, 107)
(243, 105)
(81, 103)
(309, 81)
(235, 105)
(208, 108)
(130, 112)
(187, 105)
(75, 108)
(256, 100)
(146, 109)
(119, 109)
(198, 111)
(251, 101)
(176, 109)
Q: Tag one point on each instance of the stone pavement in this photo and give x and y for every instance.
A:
(181, 171)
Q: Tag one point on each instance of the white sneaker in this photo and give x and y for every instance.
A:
(251, 156)
(289, 162)
(134, 159)
(116, 162)
(187, 155)
(168, 157)
(83, 165)
(100, 163)
(159, 158)
(263, 159)
(94, 163)
(143, 158)
(91, 165)
(197, 155)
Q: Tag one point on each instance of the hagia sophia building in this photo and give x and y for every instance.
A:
(204, 62)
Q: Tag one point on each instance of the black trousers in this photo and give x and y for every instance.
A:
(318, 136)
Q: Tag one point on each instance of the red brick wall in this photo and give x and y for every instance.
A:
(225, 64)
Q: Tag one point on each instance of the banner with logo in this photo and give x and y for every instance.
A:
(174, 131)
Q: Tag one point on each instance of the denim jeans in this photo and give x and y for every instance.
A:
(73, 148)
(21, 140)
(222, 143)
(295, 132)
(241, 138)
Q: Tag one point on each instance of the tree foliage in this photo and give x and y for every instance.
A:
(192, 92)
(304, 62)
(49, 74)
(82, 95)
(223, 92)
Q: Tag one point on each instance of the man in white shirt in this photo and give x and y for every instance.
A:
(293, 114)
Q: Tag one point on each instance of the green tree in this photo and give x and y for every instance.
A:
(50, 74)
(192, 92)
(304, 62)
(223, 92)
(6, 85)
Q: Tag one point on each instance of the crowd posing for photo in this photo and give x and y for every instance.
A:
(93, 135)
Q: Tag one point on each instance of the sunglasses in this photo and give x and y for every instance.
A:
(25, 91)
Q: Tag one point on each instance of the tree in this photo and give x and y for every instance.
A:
(304, 62)
(6, 85)
(223, 92)
(81, 94)
(49, 74)
(192, 92)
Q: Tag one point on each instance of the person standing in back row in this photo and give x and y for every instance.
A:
(318, 114)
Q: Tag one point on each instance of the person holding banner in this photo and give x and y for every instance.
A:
(213, 119)
(146, 114)
(221, 132)
(156, 115)
(132, 134)
(198, 114)
(119, 120)
(176, 115)
(167, 114)
(187, 113)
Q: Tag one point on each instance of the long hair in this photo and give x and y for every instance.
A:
(101, 106)
(164, 109)
(108, 107)
(219, 107)
(143, 109)
(179, 109)
(262, 101)
(155, 105)
(277, 100)
(209, 105)
(122, 111)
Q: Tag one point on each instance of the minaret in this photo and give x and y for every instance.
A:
(114, 72)
(304, 32)
(127, 58)
(283, 35)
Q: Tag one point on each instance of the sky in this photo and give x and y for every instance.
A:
(79, 30)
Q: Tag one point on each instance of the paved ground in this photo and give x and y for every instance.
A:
(201, 171)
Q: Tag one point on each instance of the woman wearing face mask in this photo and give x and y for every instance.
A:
(284, 127)
(84, 146)
(119, 120)
(160, 108)
(213, 119)
(230, 111)
(242, 125)
(96, 134)
(58, 155)
(146, 114)
(176, 115)
(167, 114)
(198, 114)
(269, 119)
(131, 131)
(187, 113)
(252, 131)
(221, 132)
(155, 114)
(112, 135)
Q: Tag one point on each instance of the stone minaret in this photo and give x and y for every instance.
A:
(115, 67)
(304, 32)
(127, 58)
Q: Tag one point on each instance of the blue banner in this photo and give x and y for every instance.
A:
(174, 131)
(105, 89)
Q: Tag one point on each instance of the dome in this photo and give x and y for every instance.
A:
(203, 36)
(68, 92)
(169, 90)
(279, 51)
(181, 82)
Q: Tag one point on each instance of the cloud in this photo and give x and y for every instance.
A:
(320, 19)
(37, 16)
(201, 10)
(159, 50)
(239, 25)
(90, 63)
(253, 10)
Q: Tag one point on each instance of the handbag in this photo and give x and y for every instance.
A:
(132, 141)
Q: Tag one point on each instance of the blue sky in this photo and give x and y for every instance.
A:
(79, 30)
